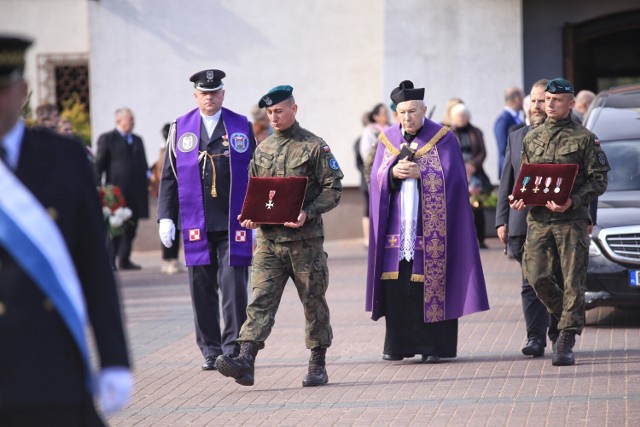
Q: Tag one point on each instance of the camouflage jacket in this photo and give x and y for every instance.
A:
(298, 152)
(565, 141)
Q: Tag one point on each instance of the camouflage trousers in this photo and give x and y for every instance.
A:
(273, 264)
(565, 245)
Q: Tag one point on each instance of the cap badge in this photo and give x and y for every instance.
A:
(267, 100)
(187, 142)
(209, 74)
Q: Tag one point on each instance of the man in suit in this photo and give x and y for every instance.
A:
(121, 159)
(511, 225)
(208, 154)
(509, 117)
(54, 273)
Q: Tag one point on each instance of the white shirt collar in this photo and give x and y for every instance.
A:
(210, 122)
(12, 142)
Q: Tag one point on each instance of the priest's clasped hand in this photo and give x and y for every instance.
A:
(406, 169)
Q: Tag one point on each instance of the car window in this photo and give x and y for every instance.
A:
(624, 159)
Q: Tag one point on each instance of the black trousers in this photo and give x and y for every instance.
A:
(204, 282)
(172, 252)
(76, 415)
(122, 243)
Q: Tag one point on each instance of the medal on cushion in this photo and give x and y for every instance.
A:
(558, 183)
(270, 203)
(547, 183)
(525, 181)
(538, 181)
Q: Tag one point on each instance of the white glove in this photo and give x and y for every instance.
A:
(167, 231)
(114, 388)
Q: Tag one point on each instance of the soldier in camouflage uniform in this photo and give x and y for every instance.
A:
(557, 234)
(294, 249)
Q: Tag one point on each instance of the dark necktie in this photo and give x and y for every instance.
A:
(3, 155)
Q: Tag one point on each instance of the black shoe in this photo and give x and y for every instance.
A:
(483, 245)
(129, 266)
(209, 363)
(533, 348)
(564, 351)
(430, 359)
(395, 357)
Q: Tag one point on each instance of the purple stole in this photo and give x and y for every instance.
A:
(190, 194)
(447, 259)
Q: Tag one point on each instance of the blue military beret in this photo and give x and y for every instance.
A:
(559, 85)
(276, 96)
(406, 92)
(12, 58)
(208, 80)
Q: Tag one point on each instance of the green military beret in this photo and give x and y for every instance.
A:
(559, 85)
(276, 96)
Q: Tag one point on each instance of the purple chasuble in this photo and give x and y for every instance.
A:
(190, 193)
(447, 258)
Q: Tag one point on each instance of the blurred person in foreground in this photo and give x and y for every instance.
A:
(424, 268)
(557, 235)
(294, 249)
(54, 274)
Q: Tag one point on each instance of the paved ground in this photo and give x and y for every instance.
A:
(490, 383)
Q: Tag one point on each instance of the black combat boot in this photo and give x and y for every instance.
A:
(241, 367)
(564, 350)
(317, 374)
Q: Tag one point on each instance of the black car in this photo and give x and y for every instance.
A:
(613, 276)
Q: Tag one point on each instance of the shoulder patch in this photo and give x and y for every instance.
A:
(326, 148)
(602, 158)
(333, 164)
(596, 141)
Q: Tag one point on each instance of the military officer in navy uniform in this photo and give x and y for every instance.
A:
(208, 154)
(54, 273)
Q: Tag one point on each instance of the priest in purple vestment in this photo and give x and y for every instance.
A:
(424, 269)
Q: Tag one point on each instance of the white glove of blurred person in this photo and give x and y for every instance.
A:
(167, 231)
(114, 388)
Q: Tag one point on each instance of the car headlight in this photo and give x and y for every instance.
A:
(593, 249)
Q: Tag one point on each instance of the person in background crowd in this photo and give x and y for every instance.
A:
(446, 119)
(47, 116)
(55, 276)
(473, 154)
(120, 159)
(424, 269)
(170, 263)
(261, 125)
(377, 119)
(584, 98)
(505, 122)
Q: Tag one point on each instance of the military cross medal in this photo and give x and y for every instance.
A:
(538, 181)
(547, 183)
(525, 181)
(270, 203)
(558, 183)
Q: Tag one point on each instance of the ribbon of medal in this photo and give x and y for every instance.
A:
(558, 183)
(547, 183)
(270, 203)
(525, 181)
(538, 181)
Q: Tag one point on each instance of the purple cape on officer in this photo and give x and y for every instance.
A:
(446, 258)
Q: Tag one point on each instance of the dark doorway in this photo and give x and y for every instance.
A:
(603, 52)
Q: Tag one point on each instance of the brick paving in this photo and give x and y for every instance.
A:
(490, 383)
